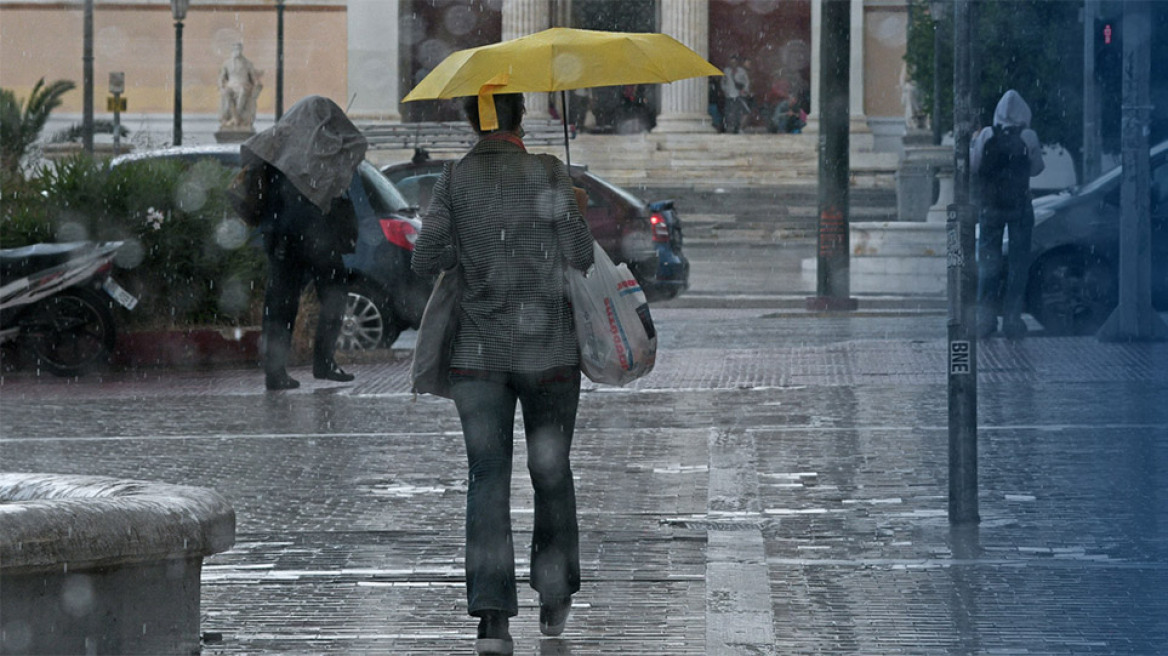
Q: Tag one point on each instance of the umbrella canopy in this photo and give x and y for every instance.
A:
(315, 145)
(559, 59)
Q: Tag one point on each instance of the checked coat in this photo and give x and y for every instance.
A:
(513, 221)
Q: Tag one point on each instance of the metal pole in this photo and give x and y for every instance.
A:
(1092, 139)
(832, 267)
(87, 78)
(937, 14)
(178, 55)
(279, 59)
(1135, 318)
(117, 123)
(962, 270)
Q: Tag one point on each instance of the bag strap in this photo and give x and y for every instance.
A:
(448, 167)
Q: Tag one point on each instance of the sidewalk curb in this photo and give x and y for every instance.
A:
(727, 300)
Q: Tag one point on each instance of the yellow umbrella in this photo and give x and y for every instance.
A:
(559, 59)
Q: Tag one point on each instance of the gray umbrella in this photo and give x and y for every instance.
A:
(315, 145)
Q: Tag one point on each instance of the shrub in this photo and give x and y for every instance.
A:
(186, 256)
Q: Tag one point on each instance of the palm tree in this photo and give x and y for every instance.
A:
(21, 127)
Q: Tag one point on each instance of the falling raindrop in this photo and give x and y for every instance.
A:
(231, 233)
(77, 596)
(459, 20)
(131, 254)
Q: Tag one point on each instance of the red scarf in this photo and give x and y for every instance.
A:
(509, 137)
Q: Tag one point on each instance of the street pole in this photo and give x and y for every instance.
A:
(937, 13)
(1092, 139)
(1134, 318)
(279, 59)
(832, 270)
(962, 284)
(87, 78)
(178, 31)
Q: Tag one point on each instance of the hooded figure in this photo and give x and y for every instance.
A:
(309, 159)
(1003, 158)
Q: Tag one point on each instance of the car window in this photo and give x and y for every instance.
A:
(417, 188)
(384, 197)
(624, 194)
(1160, 185)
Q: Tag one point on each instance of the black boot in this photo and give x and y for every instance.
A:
(330, 371)
(493, 636)
(553, 615)
(281, 381)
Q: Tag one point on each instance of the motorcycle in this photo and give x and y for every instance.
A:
(55, 304)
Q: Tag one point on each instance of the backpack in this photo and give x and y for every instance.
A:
(1005, 169)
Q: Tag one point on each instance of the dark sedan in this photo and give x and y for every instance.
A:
(647, 237)
(1073, 278)
(384, 293)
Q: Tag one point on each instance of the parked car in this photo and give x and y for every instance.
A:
(1073, 278)
(384, 293)
(645, 236)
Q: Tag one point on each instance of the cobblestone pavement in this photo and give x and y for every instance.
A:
(777, 486)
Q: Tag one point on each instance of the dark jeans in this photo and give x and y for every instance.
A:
(486, 405)
(996, 296)
(291, 264)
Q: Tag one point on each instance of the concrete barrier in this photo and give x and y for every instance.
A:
(94, 565)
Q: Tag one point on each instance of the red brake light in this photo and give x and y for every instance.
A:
(399, 233)
(660, 227)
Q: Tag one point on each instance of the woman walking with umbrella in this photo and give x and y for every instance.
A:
(509, 221)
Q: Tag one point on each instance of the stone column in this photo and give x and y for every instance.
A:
(373, 60)
(685, 103)
(856, 114)
(520, 18)
(856, 70)
(816, 37)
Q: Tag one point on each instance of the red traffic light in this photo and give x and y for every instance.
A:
(1107, 34)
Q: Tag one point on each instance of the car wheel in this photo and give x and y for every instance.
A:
(366, 324)
(1073, 293)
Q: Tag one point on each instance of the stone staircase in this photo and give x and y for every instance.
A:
(752, 188)
(700, 161)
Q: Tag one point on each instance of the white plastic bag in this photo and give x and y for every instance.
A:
(618, 343)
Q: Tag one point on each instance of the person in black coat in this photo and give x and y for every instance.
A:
(308, 160)
(303, 243)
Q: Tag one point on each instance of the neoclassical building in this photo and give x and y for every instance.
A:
(367, 54)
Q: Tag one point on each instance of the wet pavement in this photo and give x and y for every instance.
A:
(778, 485)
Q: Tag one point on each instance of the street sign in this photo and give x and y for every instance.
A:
(117, 83)
(960, 360)
(115, 104)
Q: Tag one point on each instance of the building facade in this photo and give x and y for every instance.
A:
(367, 54)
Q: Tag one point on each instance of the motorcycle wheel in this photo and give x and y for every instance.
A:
(71, 333)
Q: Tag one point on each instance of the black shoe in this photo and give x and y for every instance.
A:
(493, 637)
(553, 615)
(331, 372)
(281, 381)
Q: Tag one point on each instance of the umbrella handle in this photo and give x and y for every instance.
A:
(564, 119)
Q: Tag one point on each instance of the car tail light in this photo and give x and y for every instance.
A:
(660, 227)
(400, 233)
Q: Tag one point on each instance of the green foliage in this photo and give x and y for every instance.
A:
(922, 30)
(24, 215)
(20, 127)
(1031, 46)
(187, 257)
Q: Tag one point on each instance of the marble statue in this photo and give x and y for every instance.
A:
(239, 87)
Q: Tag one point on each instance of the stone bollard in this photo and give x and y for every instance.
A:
(918, 168)
(94, 565)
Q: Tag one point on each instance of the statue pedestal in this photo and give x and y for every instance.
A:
(234, 135)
